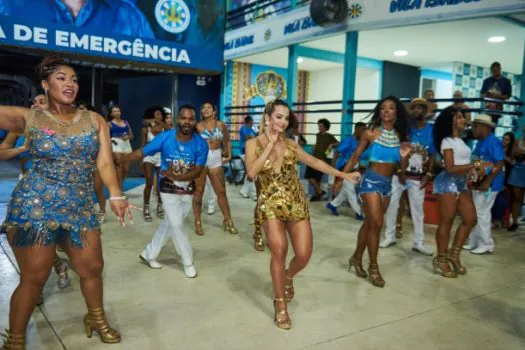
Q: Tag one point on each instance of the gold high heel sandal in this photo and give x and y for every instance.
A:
(289, 291)
(228, 226)
(13, 341)
(358, 266)
(96, 320)
(282, 319)
(440, 264)
(198, 228)
(375, 276)
(453, 257)
(258, 243)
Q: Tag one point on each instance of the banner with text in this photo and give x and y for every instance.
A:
(297, 26)
(179, 33)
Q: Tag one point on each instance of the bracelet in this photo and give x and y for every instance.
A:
(121, 198)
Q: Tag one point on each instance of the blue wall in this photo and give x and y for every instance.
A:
(196, 90)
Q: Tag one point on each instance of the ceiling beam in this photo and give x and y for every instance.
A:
(512, 20)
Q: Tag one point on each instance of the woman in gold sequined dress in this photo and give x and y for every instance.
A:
(282, 205)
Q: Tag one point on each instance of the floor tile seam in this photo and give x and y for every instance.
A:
(406, 318)
(48, 321)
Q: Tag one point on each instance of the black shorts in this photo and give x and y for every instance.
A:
(311, 173)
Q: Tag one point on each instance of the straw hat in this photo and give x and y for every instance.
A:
(419, 102)
(484, 119)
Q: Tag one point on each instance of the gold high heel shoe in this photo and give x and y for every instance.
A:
(375, 276)
(282, 319)
(440, 264)
(13, 341)
(358, 266)
(198, 228)
(228, 226)
(96, 320)
(258, 243)
(289, 291)
(453, 257)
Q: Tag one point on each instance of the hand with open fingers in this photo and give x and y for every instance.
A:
(121, 208)
(354, 177)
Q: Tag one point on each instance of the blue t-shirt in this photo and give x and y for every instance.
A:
(491, 150)
(345, 150)
(102, 16)
(3, 135)
(501, 86)
(182, 156)
(245, 131)
(422, 147)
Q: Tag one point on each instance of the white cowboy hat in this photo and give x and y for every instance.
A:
(484, 119)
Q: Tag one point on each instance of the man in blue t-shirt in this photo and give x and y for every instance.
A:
(344, 151)
(246, 133)
(414, 180)
(496, 86)
(488, 149)
(183, 154)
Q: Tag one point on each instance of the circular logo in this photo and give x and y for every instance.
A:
(173, 15)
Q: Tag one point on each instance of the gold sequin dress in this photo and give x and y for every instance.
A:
(282, 195)
(53, 203)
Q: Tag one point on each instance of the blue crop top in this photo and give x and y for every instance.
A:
(386, 148)
(215, 134)
(117, 130)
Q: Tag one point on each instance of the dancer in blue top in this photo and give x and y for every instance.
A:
(246, 133)
(387, 136)
(183, 157)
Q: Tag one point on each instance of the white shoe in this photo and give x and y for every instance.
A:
(386, 243)
(421, 249)
(254, 198)
(154, 264)
(211, 210)
(469, 247)
(482, 250)
(190, 271)
(245, 195)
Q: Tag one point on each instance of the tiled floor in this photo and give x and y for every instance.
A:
(229, 305)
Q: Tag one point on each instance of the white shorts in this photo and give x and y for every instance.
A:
(119, 145)
(214, 158)
(154, 159)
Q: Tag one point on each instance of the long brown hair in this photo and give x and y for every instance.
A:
(270, 108)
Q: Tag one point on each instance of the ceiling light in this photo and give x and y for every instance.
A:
(300, 60)
(400, 53)
(497, 39)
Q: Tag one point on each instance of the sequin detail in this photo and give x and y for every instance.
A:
(282, 195)
(53, 203)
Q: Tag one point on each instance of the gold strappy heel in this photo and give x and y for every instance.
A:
(96, 320)
(375, 276)
(13, 341)
(198, 228)
(456, 263)
(282, 319)
(289, 291)
(440, 264)
(358, 266)
(228, 226)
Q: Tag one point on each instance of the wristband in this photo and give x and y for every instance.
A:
(120, 198)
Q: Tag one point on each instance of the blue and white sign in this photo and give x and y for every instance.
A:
(297, 26)
(173, 15)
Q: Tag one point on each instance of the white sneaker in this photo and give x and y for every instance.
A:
(190, 271)
(469, 247)
(245, 195)
(482, 250)
(421, 249)
(154, 264)
(254, 198)
(386, 243)
(211, 210)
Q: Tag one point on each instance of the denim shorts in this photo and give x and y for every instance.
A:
(517, 176)
(450, 183)
(372, 182)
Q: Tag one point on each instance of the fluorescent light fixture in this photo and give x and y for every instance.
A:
(400, 53)
(300, 60)
(497, 39)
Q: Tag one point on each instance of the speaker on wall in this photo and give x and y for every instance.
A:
(327, 13)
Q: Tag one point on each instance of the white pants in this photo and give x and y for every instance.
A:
(248, 188)
(481, 235)
(210, 193)
(416, 198)
(348, 192)
(176, 208)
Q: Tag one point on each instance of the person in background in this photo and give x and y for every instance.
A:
(488, 149)
(386, 137)
(432, 106)
(502, 202)
(248, 189)
(459, 103)
(517, 181)
(121, 135)
(450, 186)
(294, 134)
(414, 180)
(496, 86)
(347, 193)
(169, 117)
(324, 143)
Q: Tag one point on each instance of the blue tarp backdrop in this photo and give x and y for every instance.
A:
(181, 33)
